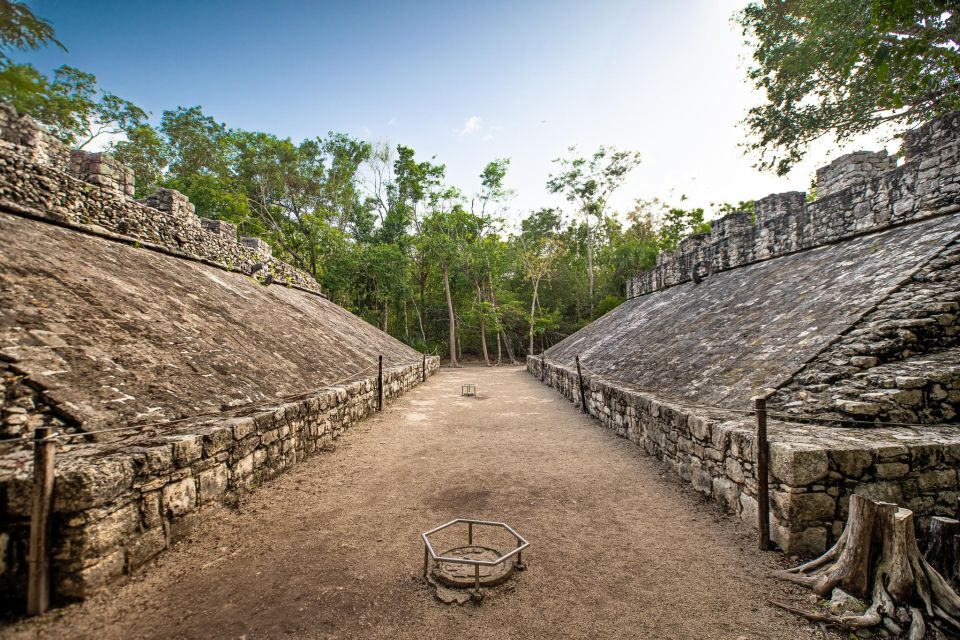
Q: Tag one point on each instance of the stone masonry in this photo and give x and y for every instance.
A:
(842, 311)
(142, 317)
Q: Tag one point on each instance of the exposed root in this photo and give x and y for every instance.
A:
(877, 555)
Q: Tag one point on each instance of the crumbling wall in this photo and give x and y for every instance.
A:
(858, 193)
(39, 177)
(120, 504)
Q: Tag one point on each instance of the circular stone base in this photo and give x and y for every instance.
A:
(462, 576)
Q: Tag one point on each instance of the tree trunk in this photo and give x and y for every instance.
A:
(406, 321)
(590, 263)
(483, 329)
(533, 307)
(423, 334)
(452, 317)
(386, 316)
(943, 540)
(499, 353)
(877, 558)
(509, 346)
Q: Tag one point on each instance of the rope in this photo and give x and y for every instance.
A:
(770, 414)
(168, 423)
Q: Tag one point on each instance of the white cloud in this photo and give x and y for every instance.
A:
(392, 121)
(473, 125)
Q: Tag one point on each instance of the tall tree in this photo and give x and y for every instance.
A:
(588, 183)
(845, 67)
(21, 29)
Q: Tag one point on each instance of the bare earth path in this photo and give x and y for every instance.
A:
(332, 550)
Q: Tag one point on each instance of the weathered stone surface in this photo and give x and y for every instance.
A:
(179, 498)
(786, 311)
(797, 467)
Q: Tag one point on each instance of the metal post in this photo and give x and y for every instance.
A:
(423, 369)
(583, 397)
(426, 559)
(763, 489)
(469, 533)
(380, 385)
(38, 579)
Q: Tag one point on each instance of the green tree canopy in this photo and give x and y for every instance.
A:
(845, 67)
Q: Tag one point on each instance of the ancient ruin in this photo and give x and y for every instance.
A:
(842, 311)
(257, 371)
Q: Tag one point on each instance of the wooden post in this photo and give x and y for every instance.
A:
(763, 464)
(583, 397)
(38, 579)
(380, 385)
(423, 369)
(543, 365)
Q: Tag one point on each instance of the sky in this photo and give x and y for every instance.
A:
(466, 82)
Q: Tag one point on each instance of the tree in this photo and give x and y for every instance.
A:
(588, 183)
(21, 29)
(447, 230)
(70, 104)
(845, 67)
(538, 258)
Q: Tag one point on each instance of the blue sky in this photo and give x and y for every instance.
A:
(464, 81)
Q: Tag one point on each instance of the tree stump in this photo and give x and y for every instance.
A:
(877, 559)
(943, 547)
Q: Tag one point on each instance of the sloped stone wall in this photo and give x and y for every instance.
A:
(120, 504)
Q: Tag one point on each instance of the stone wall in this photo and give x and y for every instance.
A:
(857, 193)
(813, 468)
(119, 504)
(39, 177)
(899, 363)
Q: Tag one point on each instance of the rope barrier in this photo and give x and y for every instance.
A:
(783, 416)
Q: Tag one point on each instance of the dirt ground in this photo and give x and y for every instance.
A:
(619, 548)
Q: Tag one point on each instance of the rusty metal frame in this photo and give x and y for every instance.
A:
(430, 555)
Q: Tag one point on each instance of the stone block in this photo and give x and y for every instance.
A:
(797, 467)
(187, 449)
(180, 498)
(213, 483)
(81, 584)
(851, 462)
(218, 439)
(892, 470)
(145, 547)
(941, 479)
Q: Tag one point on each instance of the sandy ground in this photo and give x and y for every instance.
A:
(619, 549)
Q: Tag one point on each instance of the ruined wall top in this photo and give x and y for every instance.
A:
(857, 193)
(42, 178)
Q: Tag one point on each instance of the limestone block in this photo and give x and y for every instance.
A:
(941, 479)
(803, 507)
(217, 440)
(187, 449)
(213, 483)
(180, 498)
(145, 547)
(892, 470)
(851, 462)
(797, 467)
(83, 583)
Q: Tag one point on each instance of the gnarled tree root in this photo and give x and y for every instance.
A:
(877, 557)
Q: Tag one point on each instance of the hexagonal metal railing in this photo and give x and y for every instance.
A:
(429, 554)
